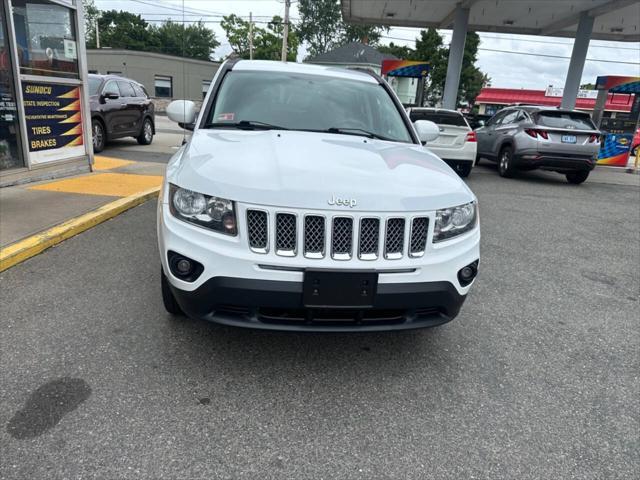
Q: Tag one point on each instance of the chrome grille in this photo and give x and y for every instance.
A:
(394, 239)
(286, 234)
(314, 236)
(257, 230)
(419, 228)
(369, 238)
(342, 238)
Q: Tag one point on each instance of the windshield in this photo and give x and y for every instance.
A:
(296, 101)
(94, 85)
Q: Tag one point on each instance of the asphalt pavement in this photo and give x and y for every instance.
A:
(537, 378)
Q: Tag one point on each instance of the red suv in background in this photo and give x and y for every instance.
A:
(120, 107)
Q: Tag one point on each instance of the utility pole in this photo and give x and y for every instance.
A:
(97, 34)
(250, 36)
(285, 32)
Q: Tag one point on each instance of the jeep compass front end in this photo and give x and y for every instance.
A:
(305, 201)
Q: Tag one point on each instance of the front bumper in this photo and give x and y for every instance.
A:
(242, 288)
(274, 305)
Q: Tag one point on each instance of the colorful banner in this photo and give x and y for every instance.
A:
(618, 84)
(405, 68)
(54, 121)
(614, 151)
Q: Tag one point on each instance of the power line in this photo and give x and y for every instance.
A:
(531, 54)
(555, 56)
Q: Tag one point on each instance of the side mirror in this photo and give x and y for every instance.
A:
(111, 96)
(183, 112)
(187, 126)
(427, 131)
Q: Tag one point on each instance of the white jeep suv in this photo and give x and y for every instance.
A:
(304, 200)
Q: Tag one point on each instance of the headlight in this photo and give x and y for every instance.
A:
(451, 222)
(210, 212)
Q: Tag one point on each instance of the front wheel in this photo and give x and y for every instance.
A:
(577, 177)
(99, 135)
(168, 299)
(146, 134)
(505, 162)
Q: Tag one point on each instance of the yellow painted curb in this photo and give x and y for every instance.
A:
(23, 249)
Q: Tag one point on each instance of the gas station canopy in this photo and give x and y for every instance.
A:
(613, 19)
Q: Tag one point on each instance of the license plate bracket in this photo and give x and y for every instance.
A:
(569, 139)
(339, 289)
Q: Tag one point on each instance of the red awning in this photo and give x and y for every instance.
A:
(513, 96)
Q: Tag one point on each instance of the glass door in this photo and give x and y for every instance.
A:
(10, 146)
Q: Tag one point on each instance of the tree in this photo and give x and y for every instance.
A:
(91, 15)
(124, 30)
(369, 34)
(587, 86)
(267, 43)
(237, 31)
(429, 48)
(129, 31)
(322, 27)
(320, 22)
(405, 53)
(192, 41)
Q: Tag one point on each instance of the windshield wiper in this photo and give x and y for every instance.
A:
(245, 125)
(356, 131)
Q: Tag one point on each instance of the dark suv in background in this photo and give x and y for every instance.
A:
(530, 137)
(120, 107)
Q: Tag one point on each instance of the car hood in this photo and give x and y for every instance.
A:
(306, 170)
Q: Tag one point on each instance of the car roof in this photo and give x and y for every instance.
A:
(112, 77)
(304, 68)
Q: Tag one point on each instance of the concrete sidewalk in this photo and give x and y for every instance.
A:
(36, 208)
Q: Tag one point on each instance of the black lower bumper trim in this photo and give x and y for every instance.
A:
(276, 305)
(558, 163)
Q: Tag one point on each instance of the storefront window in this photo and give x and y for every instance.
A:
(46, 38)
(10, 152)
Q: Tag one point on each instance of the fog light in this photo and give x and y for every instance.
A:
(183, 266)
(468, 273)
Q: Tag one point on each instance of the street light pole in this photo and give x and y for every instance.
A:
(97, 34)
(285, 32)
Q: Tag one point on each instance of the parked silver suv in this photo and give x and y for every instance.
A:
(530, 137)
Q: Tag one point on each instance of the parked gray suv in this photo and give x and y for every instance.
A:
(530, 137)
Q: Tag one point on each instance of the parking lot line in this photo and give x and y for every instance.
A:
(110, 184)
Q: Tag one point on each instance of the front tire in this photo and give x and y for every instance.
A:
(99, 135)
(577, 178)
(168, 299)
(505, 162)
(146, 134)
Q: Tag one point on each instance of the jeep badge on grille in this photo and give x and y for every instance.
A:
(342, 202)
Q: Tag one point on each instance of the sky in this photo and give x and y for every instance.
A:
(505, 69)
